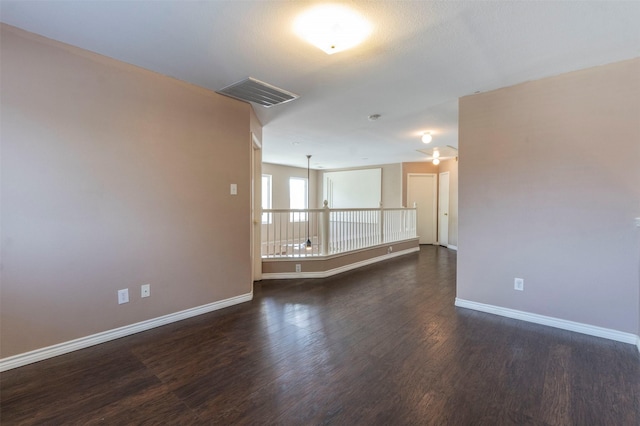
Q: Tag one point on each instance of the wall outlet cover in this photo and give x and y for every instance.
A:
(145, 290)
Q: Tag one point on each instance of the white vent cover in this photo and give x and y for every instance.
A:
(252, 90)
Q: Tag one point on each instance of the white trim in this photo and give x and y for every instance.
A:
(591, 330)
(256, 142)
(638, 343)
(452, 247)
(116, 333)
(331, 272)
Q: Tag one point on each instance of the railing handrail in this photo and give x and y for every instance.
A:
(337, 210)
(292, 210)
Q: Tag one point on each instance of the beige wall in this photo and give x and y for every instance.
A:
(113, 177)
(391, 183)
(549, 189)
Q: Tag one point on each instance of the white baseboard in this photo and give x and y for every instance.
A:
(452, 247)
(591, 330)
(105, 336)
(330, 272)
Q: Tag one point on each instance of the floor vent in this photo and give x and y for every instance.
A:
(252, 90)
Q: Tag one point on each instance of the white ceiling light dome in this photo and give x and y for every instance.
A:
(332, 27)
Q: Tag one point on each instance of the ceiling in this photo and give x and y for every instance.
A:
(421, 57)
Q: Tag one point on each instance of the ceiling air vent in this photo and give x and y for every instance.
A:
(252, 90)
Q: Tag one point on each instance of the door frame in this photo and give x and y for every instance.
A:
(256, 209)
(443, 211)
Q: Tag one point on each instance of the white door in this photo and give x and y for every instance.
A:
(443, 209)
(421, 190)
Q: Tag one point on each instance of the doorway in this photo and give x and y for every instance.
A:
(421, 192)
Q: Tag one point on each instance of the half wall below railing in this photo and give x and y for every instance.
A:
(285, 232)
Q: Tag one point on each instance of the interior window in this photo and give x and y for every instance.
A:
(298, 198)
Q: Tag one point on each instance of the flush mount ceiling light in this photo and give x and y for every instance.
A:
(436, 161)
(436, 153)
(426, 137)
(332, 28)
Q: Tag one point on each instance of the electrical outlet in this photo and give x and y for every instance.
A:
(145, 290)
(390, 249)
(518, 284)
(298, 267)
(123, 296)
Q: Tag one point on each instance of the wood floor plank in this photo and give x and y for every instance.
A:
(380, 345)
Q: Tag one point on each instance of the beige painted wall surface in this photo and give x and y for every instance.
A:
(113, 177)
(451, 166)
(391, 183)
(549, 188)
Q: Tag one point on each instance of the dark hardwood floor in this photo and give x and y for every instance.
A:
(379, 345)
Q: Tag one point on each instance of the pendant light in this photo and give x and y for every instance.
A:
(308, 243)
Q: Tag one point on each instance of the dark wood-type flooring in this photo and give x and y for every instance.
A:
(382, 345)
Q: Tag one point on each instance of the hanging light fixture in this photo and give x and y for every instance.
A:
(308, 243)
(426, 137)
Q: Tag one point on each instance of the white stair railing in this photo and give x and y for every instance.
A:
(285, 232)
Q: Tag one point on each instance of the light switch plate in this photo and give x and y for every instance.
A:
(234, 189)
(123, 296)
(518, 284)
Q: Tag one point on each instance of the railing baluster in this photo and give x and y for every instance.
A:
(333, 230)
